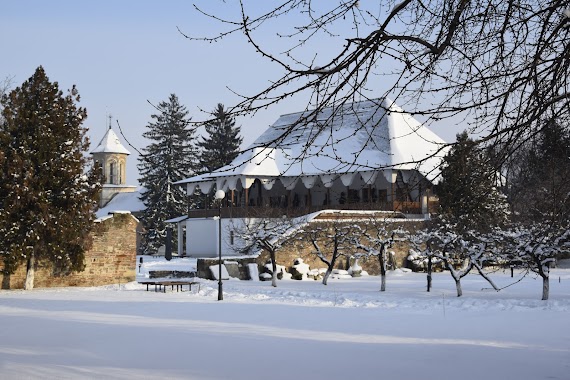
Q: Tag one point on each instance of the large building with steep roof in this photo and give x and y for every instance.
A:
(368, 155)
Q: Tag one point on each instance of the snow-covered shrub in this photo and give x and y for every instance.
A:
(300, 270)
(268, 269)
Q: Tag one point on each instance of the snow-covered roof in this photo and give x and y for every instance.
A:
(359, 137)
(112, 214)
(110, 143)
(178, 219)
(122, 202)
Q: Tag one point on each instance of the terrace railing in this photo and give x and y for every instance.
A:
(257, 211)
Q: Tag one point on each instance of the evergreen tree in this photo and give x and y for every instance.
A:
(468, 193)
(170, 157)
(540, 185)
(221, 145)
(46, 199)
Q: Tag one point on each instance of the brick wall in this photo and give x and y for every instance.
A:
(111, 259)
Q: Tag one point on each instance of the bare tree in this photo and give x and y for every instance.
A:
(448, 247)
(483, 249)
(459, 252)
(5, 86)
(375, 239)
(267, 234)
(501, 66)
(424, 256)
(330, 241)
(536, 247)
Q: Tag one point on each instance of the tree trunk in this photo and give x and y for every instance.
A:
(544, 272)
(273, 270)
(30, 272)
(327, 274)
(330, 266)
(382, 258)
(429, 268)
(458, 287)
(545, 287)
(6, 280)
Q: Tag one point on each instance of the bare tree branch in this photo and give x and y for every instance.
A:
(502, 66)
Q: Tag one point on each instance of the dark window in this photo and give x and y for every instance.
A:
(112, 174)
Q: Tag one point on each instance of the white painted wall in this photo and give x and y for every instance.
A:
(202, 237)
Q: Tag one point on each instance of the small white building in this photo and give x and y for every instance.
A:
(369, 155)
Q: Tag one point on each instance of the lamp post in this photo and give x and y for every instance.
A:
(220, 194)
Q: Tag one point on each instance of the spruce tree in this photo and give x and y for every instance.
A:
(221, 145)
(468, 194)
(170, 157)
(46, 198)
(540, 182)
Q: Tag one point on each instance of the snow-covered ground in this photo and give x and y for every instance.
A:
(299, 330)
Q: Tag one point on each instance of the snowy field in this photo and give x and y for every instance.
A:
(299, 330)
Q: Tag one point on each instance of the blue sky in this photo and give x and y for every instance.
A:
(122, 53)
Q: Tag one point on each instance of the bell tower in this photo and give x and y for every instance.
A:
(112, 156)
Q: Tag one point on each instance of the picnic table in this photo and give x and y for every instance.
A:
(160, 285)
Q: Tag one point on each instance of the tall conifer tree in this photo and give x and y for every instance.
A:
(540, 183)
(221, 145)
(468, 194)
(170, 157)
(46, 199)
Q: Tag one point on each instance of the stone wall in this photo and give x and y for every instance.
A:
(288, 254)
(111, 259)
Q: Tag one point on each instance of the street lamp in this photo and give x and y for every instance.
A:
(220, 194)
